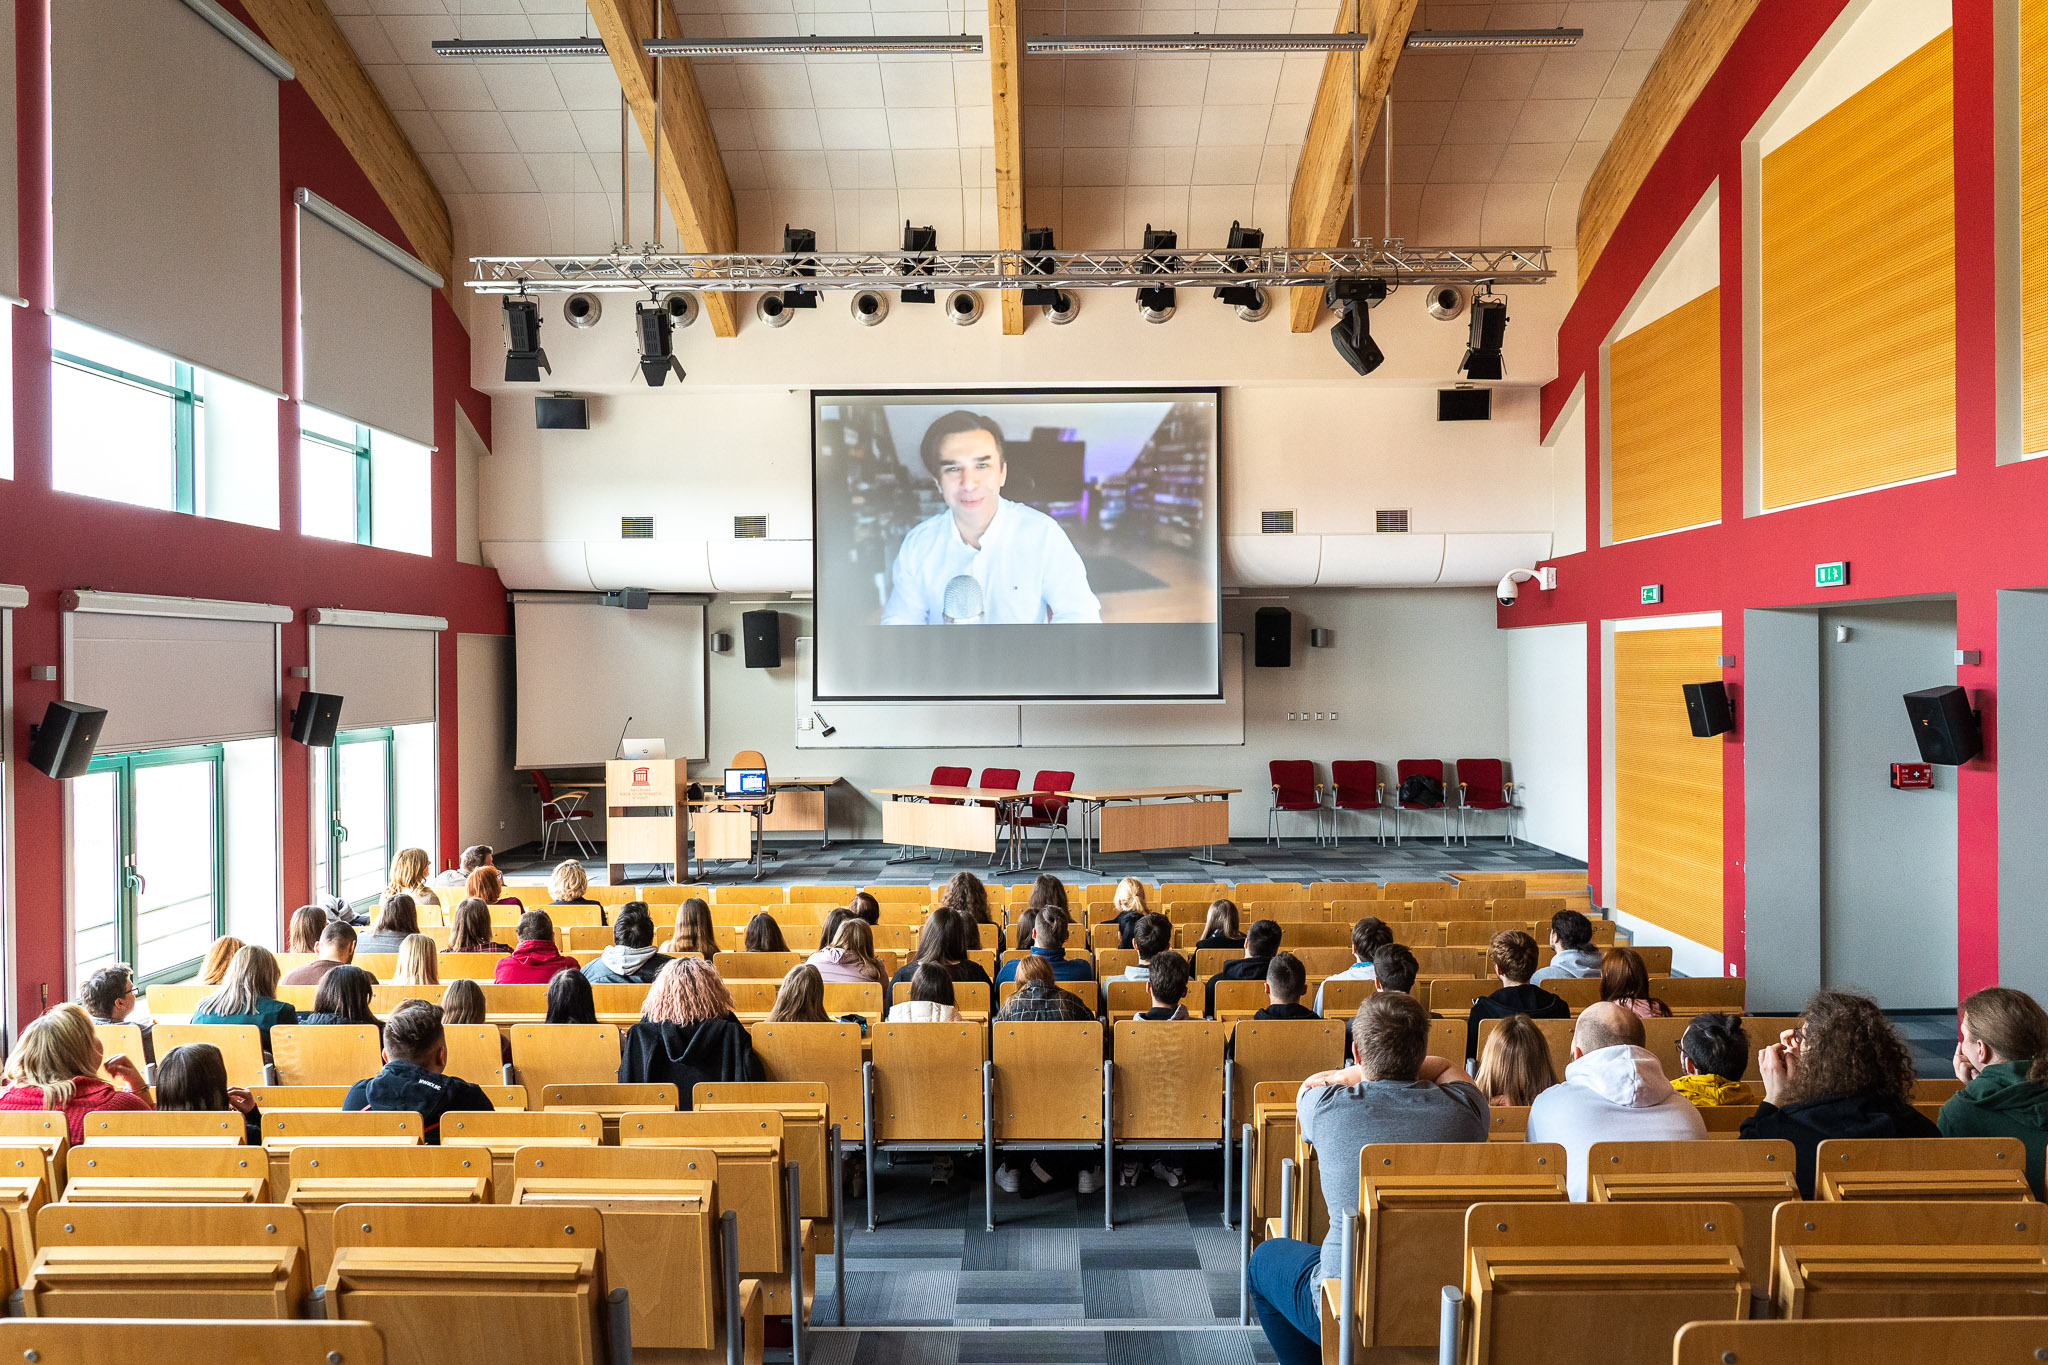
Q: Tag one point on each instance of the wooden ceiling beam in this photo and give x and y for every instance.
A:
(1320, 205)
(1005, 55)
(679, 137)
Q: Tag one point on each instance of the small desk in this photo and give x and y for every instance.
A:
(731, 828)
(1131, 819)
(910, 819)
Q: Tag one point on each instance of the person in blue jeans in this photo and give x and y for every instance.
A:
(1394, 1091)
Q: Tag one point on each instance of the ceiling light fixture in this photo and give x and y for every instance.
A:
(1489, 329)
(798, 242)
(884, 46)
(1047, 44)
(922, 242)
(1039, 239)
(519, 47)
(1245, 298)
(657, 341)
(1352, 334)
(524, 359)
(1470, 39)
(1156, 303)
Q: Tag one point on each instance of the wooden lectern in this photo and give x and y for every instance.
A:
(644, 819)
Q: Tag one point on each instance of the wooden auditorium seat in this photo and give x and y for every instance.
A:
(325, 1054)
(138, 1127)
(52, 1341)
(1756, 1177)
(325, 1178)
(1166, 1092)
(1864, 1341)
(1908, 1259)
(1921, 1168)
(102, 1174)
(502, 1133)
(924, 1092)
(827, 1054)
(168, 1261)
(1046, 1090)
(563, 1054)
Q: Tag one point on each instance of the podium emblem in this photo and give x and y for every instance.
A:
(640, 777)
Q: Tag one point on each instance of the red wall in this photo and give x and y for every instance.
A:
(53, 542)
(1970, 535)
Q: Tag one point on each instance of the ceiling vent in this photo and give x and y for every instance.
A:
(1276, 523)
(750, 528)
(1391, 521)
(636, 528)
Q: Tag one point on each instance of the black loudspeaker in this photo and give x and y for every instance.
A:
(1706, 706)
(1272, 637)
(62, 745)
(1944, 725)
(316, 718)
(762, 632)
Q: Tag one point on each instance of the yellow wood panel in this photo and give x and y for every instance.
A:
(1667, 784)
(1664, 422)
(2034, 224)
(1859, 314)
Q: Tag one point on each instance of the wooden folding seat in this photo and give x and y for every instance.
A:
(1507, 1122)
(1418, 934)
(1452, 996)
(1549, 1284)
(854, 997)
(269, 1097)
(241, 1046)
(1935, 1089)
(1341, 999)
(1087, 992)
(1344, 891)
(1208, 961)
(1166, 1085)
(1451, 961)
(584, 938)
(749, 895)
(1656, 957)
(468, 966)
(165, 1342)
(611, 1101)
(1526, 909)
(1123, 999)
(757, 966)
(167, 1261)
(752, 1180)
(1272, 891)
(564, 1054)
(806, 1129)
(1112, 961)
(325, 1054)
(1327, 961)
(1441, 909)
(287, 1130)
(1289, 914)
(1046, 1091)
(1480, 886)
(515, 1003)
(152, 1128)
(48, 1133)
(503, 1133)
(1725, 1121)
(475, 1053)
(910, 895)
(174, 1003)
(120, 1040)
(1236, 1000)
(1688, 995)
(535, 1297)
(620, 1004)
(1756, 1177)
(820, 895)
(1557, 1033)
(1284, 1051)
(1274, 1127)
(1907, 1259)
(166, 1175)
(325, 1178)
(1464, 933)
(827, 1054)
(1871, 1341)
(1921, 1168)
(1579, 992)
(561, 916)
(1407, 1236)
(668, 895)
(1192, 914)
(1197, 891)
(926, 1090)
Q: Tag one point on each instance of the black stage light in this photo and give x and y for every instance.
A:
(800, 242)
(657, 344)
(524, 359)
(1352, 334)
(1243, 295)
(1040, 239)
(1489, 328)
(1156, 304)
(922, 241)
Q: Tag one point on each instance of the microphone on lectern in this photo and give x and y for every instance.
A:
(965, 600)
(619, 749)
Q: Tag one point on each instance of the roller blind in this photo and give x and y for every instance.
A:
(10, 203)
(384, 677)
(168, 680)
(367, 327)
(165, 171)
(583, 668)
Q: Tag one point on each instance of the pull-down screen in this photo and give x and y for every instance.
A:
(1075, 530)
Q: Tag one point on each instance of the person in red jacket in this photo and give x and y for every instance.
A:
(535, 959)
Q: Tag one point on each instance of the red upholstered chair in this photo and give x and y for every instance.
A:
(1420, 767)
(950, 777)
(1049, 813)
(1483, 785)
(558, 812)
(1294, 789)
(1355, 785)
(998, 779)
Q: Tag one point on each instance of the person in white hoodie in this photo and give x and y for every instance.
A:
(930, 1000)
(1573, 954)
(631, 959)
(1614, 1090)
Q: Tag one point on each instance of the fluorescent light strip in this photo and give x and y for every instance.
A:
(1046, 44)
(519, 47)
(1462, 40)
(813, 46)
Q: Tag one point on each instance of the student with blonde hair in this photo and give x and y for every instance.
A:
(418, 963)
(1219, 930)
(218, 956)
(304, 934)
(693, 931)
(410, 869)
(2002, 1061)
(55, 1067)
(567, 885)
(1515, 1065)
(248, 995)
(850, 956)
(801, 999)
(687, 1034)
(1130, 907)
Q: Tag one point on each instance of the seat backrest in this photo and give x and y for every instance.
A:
(751, 1147)
(1491, 888)
(1282, 1050)
(1419, 767)
(928, 1081)
(1921, 1168)
(1048, 1079)
(827, 1054)
(611, 1098)
(241, 1046)
(1700, 994)
(1000, 779)
(543, 788)
(951, 777)
(167, 1163)
(196, 1126)
(1937, 1258)
(290, 1127)
(167, 1341)
(1414, 891)
(1051, 780)
(1484, 779)
(1557, 1033)
(474, 1053)
(119, 1040)
(1358, 788)
(564, 1054)
(1294, 779)
(1887, 1341)
(325, 1054)
(1168, 1084)
(750, 758)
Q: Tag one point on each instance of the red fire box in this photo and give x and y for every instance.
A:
(1913, 776)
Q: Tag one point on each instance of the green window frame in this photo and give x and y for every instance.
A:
(360, 449)
(187, 407)
(124, 767)
(335, 831)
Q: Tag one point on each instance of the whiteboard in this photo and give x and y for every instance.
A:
(1117, 725)
(584, 668)
(974, 725)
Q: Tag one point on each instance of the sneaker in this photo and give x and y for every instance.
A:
(942, 1170)
(1172, 1175)
(1007, 1180)
(1088, 1181)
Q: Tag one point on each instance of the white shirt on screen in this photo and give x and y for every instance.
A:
(1029, 572)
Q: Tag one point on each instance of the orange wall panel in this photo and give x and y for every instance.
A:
(1664, 422)
(1667, 784)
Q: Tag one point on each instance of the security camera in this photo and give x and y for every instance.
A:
(1510, 583)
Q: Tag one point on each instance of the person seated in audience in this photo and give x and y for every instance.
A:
(409, 869)
(930, 1000)
(1394, 968)
(1393, 1091)
(303, 935)
(193, 1079)
(1261, 942)
(342, 997)
(965, 895)
(1152, 936)
(570, 1000)
(1512, 955)
(801, 997)
(1614, 1090)
(850, 956)
(109, 997)
(336, 947)
(1039, 998)
(414, 1079)
(1130, 907)
(248, 995)
(1286, 980)
(569, 884)
(2002, 1061)
(469, 929)
(865, 907)
(942, 943)
(631, 959)
(1514, 1063)
(1368, 936)
(1714, 1052)
(1573, 955)
(1048, 890)
(1219, 930)
(462, 1003)
(397, 920)
(1625, 981)
(340, 910)
(534, 960)
(764, 935)
(487, 884)
(1049, 945)
(693, 932)
(473, 857)
(1167, 979)
(218, 955)
(687, 1034)
(55, 1066)
(1842, 1072)
(418, 962)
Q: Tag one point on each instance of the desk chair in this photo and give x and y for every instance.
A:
(1432, 768)
(1355, 785)
(1294, 789)
(1049, 813)
(1000, 779)
(560, 811)
(754, 807)
(1483, 786)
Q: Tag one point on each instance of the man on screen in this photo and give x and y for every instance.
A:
(984, 561)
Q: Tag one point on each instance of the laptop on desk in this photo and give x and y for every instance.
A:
(746, 782)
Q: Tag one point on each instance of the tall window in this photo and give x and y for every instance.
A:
(334, 477)
(357, 783)
(129, 423)
(147, 861)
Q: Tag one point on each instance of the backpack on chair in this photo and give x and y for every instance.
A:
(1421, 790)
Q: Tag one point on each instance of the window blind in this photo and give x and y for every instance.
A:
(366, 326)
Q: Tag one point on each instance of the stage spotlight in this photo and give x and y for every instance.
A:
(1039, 239)
(524, 359)
(1247, 299)
(771, 309)
(1352, 334)
(964, 307)
(1065, 310)
(582, 310)
(870, 307)
(1489, 328)
(1156, 304)
(1445, 302)
(682, 308)
(799, 243)
(922, 241)
(657, 343)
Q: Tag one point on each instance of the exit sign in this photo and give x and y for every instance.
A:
(1833, 575)
(1653, 593)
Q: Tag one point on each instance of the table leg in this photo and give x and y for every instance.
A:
(1208, 857)
(1089, 810)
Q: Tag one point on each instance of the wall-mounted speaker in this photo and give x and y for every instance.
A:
(1945, 725)
(1706, 706)
(316, 718)
(62, 745)
(1272, 637)
(762, 633)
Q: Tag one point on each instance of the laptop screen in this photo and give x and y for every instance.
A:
(746, 781)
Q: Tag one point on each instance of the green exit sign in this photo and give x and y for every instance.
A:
(1653, 593)
(1833, 575)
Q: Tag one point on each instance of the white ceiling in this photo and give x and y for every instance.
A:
(1489, 148)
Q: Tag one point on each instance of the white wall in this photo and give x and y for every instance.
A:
(494, 806)
(470, 455)
(250, 826)
(1546, 687)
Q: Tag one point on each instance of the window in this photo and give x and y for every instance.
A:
(354, 784)
(334, 477)
(128, 422)
(146, 859)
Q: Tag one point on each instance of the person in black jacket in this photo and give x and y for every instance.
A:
(687, 1033)
(1261, 941)
(1512, 955)
(1843, 1072)
(414, 1079)
(942, 940)
(1286, 980)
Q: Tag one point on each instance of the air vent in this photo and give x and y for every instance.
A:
(1276, 523)
(636, 528)
(1390, 521)
(750, 528)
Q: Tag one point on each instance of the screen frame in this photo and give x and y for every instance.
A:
(1132, 391)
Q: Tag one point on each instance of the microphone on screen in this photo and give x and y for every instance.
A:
(965, 600)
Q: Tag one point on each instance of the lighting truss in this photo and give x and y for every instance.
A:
(1470, 39)
(1270, 267)
(884, 45)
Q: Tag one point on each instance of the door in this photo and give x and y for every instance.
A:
(146, 855)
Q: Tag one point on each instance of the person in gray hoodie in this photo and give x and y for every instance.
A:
(631, 959)
(1572, 950)
(1614, 1090)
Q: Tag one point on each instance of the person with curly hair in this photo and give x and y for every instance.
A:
(1841, 1072)
(688, 1033)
